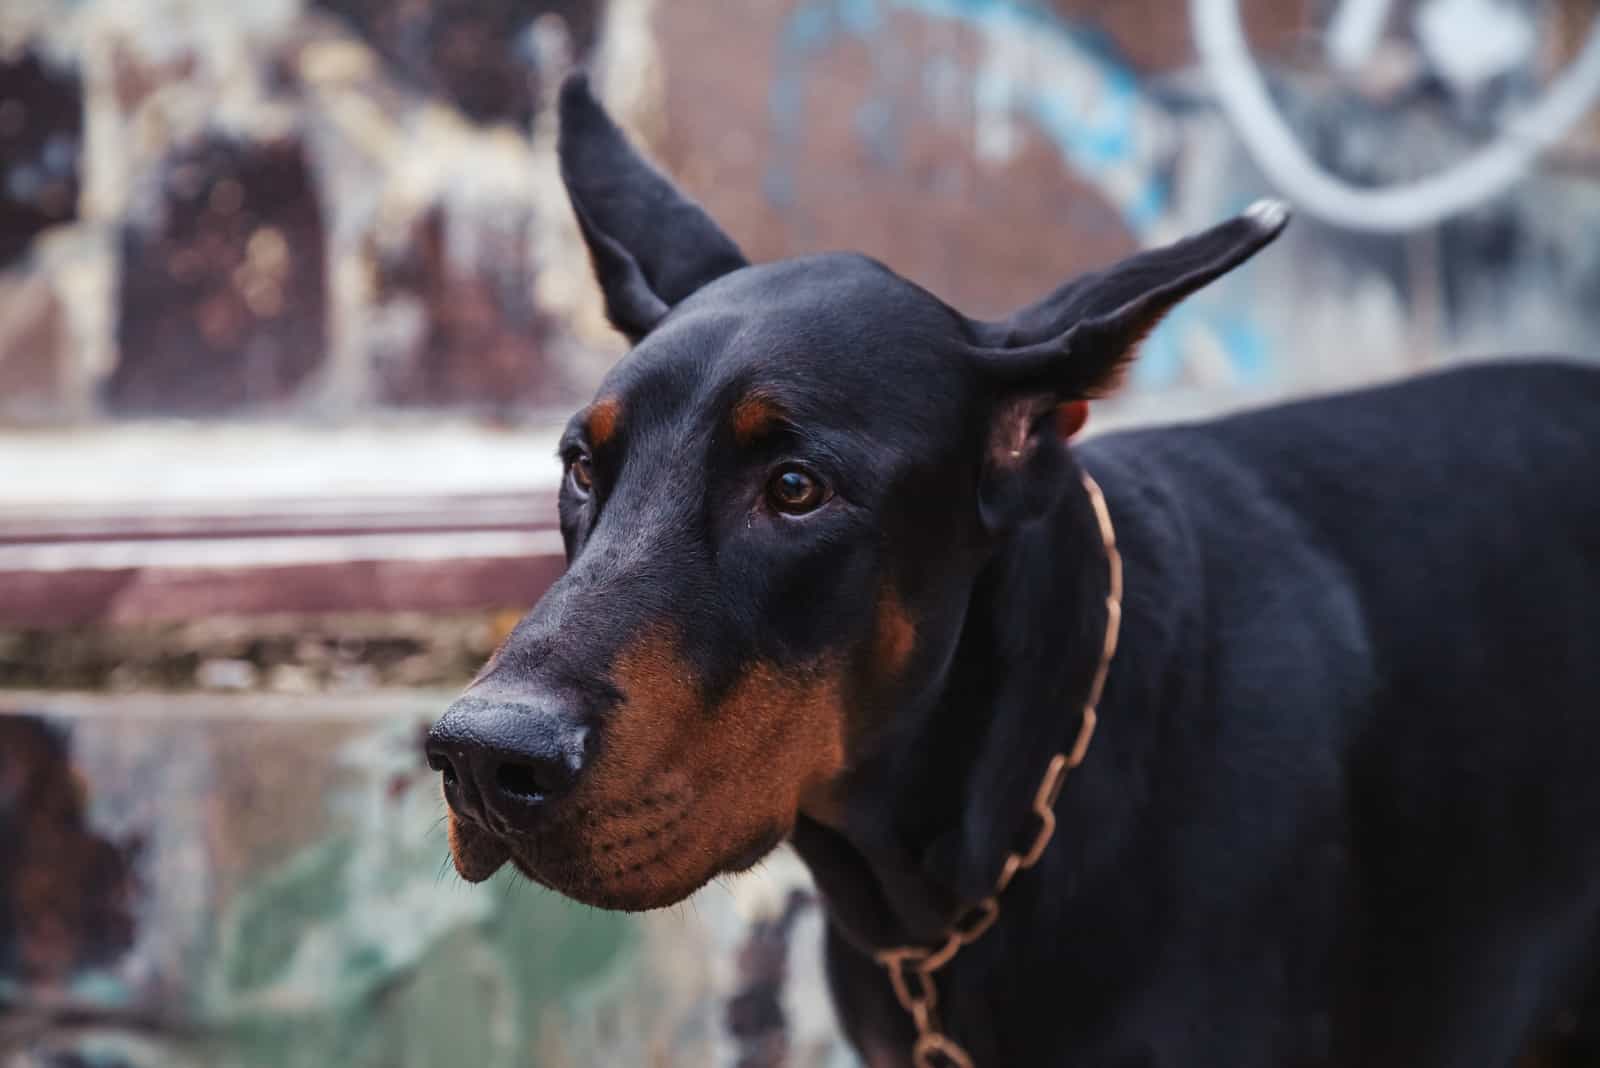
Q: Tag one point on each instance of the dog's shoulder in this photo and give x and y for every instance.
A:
(1301, 523)
(1432, 433)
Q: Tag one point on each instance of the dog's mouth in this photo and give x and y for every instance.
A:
(632, 856)
(678, 793)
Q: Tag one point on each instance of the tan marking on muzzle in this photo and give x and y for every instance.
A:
(744, 766)
(781, 733)
(896, 636)
(476, 853)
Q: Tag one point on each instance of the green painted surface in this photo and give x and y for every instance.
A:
(293, 907)
(366, 950)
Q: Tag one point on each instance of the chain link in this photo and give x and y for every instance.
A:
(936, 1050)
(919, 995)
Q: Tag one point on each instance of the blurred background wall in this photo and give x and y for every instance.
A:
(290, 302)
(341, 209)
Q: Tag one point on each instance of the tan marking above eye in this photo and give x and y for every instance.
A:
(753, 416)
(602, 419)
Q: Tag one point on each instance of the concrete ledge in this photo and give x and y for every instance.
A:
(212, 467)
(149, 522)
(63, 583)
(146, 522)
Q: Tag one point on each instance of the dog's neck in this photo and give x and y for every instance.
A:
(929, 819)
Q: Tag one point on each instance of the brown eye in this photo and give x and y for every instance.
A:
(581, 474)
(795, 491)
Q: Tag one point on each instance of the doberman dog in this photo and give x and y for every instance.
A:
(840, 574)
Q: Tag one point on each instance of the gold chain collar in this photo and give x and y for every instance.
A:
(911, 968)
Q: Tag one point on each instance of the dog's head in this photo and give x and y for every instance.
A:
(774, 511)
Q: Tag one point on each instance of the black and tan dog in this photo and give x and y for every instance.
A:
(837, 577)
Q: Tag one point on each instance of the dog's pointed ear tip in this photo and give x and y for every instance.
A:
(583, 127)
(575, 89)
(576, 105)
(1269, 216)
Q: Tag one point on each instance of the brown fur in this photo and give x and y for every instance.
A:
(1070, 418)
(602, 421)
(476, 853)
(1010, 437)
(663, 809)
(753, 416)
(896, 636)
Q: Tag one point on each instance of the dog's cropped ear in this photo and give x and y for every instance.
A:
(651, 245)
(1045, 362)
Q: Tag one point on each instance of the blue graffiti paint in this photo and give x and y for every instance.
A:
(875, 128)
(942, 81)
(1247, 349)
(810, 26)
(1094, 140)
(1097, 134)
(860, 17)
(1225, 323)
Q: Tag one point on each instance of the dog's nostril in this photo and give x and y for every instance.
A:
(441, 763)
(523, 780)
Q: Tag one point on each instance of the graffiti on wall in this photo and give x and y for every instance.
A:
(1029, 66)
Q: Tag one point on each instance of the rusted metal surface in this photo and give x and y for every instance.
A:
(35, 347)
(66, 892)
(41, 146)
(869, 140)
(223, 301)
(469, 331)
(478, 54)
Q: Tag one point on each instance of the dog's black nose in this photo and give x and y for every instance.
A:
(506, 762)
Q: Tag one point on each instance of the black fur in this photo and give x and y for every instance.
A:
(1343, 807)
(650, 245)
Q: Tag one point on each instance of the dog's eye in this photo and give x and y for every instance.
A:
(580, 473)
(795, 491)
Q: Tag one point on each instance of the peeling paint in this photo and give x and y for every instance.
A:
(292, 907)
(1035, 68)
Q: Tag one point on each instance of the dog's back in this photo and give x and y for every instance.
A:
(1402, 592)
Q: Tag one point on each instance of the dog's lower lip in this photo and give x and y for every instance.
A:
(478, 863)
(562, 878)
(751, 855)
